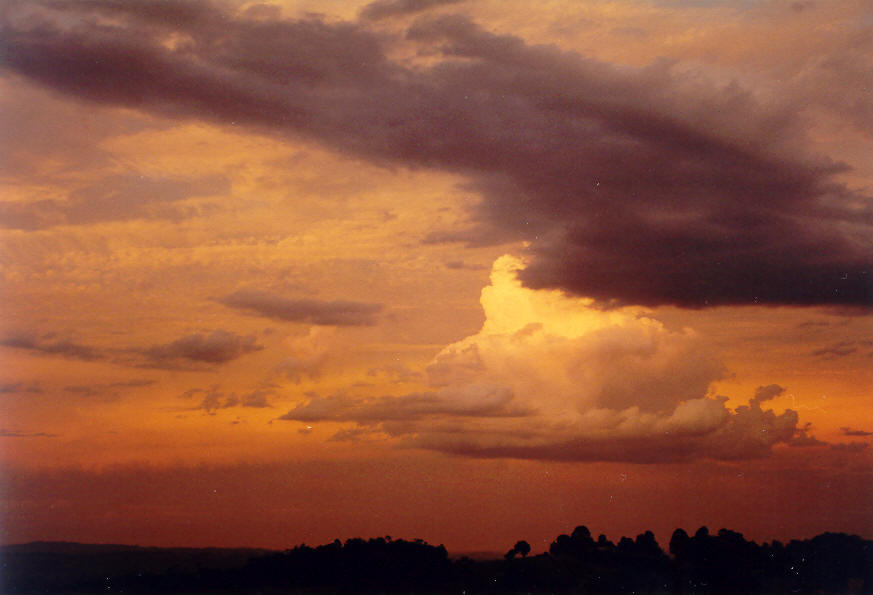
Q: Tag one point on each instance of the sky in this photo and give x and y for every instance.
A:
(470, 271)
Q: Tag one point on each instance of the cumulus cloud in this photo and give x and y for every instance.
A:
(644, 186)
(218, 347)
(553, 377)
(330, 313)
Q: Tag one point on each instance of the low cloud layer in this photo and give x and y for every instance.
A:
(646, 186)
(277, 307)
(552, 377)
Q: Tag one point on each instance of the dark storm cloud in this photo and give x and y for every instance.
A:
(116, 198)
(333, 313)
(645, 186)
(381, 9)
(218, 347)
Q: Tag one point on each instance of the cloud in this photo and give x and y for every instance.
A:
(460, 265)
(553, 377)
(802, 439)
(838, 349)
(258, 398)
(218, 347)
(850, 447)
(49, 346)
(766, 393)
(109, 391)
(381, 9)
(213, 399)
(647, 186)
(330, 313)
(396, 372)
(841, 349)
(4, 433)
(307, 354)
(19, 388)
(116, 198)
(474, 401)
(852, 432)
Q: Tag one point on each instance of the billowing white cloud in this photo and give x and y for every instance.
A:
(551, 376)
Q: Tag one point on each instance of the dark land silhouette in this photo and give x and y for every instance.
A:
(724, 562)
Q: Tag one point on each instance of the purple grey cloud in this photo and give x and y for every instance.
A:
(634, 185)
(271, 305)
(218, 347)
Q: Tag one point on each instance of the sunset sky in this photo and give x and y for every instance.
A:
(470, 271)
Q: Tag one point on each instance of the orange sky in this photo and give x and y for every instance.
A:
(467, 271)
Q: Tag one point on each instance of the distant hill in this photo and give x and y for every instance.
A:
(72, 547)
(58, 566)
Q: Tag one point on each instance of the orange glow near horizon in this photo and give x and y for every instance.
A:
(391, 282)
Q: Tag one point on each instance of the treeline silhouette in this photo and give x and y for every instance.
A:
(576, 563)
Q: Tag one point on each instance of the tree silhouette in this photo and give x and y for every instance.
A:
(720, 563)
(521, 547)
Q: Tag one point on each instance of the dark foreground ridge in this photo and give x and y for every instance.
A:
(575, 563)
